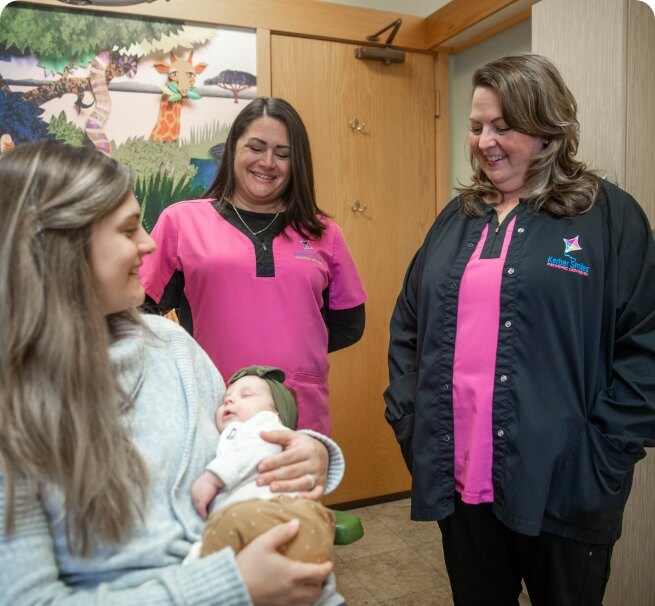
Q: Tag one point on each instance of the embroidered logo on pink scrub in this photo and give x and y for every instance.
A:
(308, 256)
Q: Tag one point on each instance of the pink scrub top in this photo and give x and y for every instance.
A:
(474, 368)
(240, 319)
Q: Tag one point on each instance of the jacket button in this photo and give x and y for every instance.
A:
(508, 324)
(446, 438)
(521, 230)
(510, 271)
(503, 378)
(470, 245)
(500, 433)
(445, 387)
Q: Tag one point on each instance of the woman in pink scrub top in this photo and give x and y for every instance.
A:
(256, 271)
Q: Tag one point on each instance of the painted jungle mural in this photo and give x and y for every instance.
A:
(159, 96)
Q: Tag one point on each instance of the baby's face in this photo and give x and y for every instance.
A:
(244, 399)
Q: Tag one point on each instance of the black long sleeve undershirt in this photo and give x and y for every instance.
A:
(345, 326)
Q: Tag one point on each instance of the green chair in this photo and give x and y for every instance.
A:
(348, 528)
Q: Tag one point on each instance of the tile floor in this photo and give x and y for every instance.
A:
(398, 562)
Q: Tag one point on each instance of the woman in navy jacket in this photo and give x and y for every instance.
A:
(522, 353)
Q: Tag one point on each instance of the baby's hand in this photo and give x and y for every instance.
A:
(203, 491)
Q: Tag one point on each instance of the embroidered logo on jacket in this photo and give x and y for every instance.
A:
(570, 264)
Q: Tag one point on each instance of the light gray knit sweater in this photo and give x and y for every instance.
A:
(176, 390)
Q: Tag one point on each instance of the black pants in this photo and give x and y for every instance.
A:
(486, 562)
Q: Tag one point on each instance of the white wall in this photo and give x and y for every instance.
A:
(597, 76)
(517, 39)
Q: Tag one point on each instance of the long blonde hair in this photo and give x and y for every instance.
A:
(60, 404)
(535, 100)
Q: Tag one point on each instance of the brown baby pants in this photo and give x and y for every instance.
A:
(239, 523)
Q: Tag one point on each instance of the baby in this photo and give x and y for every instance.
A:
(240, 510)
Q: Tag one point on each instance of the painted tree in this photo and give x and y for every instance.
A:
(64, 40)
(234, 81)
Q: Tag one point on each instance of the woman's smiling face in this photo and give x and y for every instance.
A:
(118, 245)
(503, 153)
(262, 165)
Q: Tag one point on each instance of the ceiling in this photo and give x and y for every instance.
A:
(417, 8)
(515, 12)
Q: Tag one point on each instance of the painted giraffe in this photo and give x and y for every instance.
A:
(181, 80)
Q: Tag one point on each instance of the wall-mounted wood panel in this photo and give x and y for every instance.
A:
(302, 17)
(457, 16)
(389, 166)
(321, 19)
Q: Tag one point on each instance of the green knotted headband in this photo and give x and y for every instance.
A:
(284, 400)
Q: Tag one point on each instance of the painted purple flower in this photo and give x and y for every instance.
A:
(127, 65)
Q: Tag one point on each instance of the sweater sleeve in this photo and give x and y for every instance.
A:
(29, 574)
(337, 463)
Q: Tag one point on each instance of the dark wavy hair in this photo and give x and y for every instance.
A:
(534, 100)
(299, 196)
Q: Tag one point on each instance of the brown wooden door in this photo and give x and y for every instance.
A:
(388, 165)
